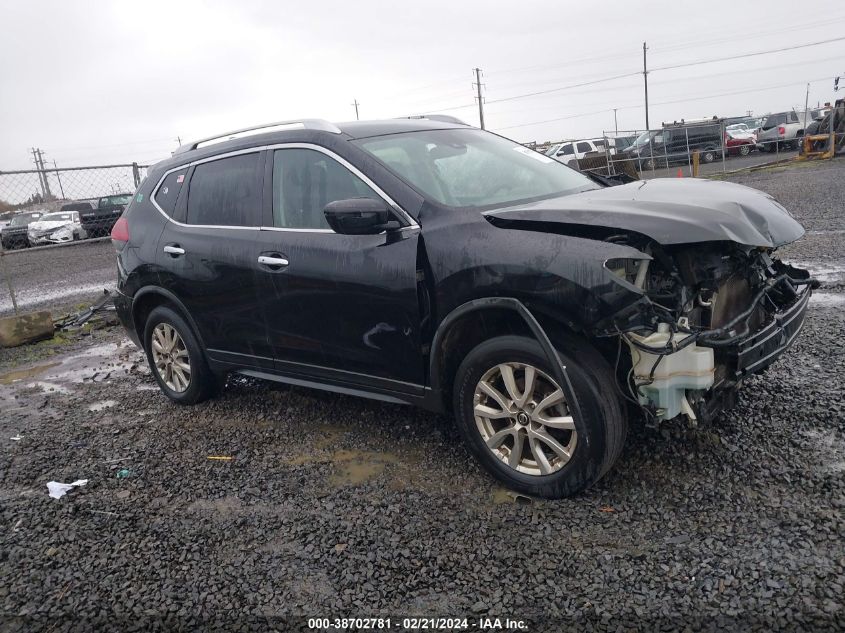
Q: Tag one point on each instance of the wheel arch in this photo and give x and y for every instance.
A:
(148, 299)
(477, 320)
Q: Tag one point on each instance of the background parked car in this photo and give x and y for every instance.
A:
(14, 235)
(739, 141)
(572, 151)
(675, 142)
(98, 221)
(783, 129)
(55, 228)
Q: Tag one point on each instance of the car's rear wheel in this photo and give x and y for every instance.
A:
(708, 155)
(176, 359)
(521, 425)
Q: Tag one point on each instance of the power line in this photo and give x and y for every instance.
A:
(746, 55)
(673, 101)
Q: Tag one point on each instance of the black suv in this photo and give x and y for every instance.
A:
(426, 262)
(675, 144)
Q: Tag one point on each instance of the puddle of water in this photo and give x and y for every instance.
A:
(823, 271)
(826, 299)
(829, 447)
(354, 467)
(104, 404)
(49, 387)
(19, 374)
(98, 363)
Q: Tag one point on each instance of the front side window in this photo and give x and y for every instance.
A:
(467, 167)
(168, 192)
(225, 192)
(304, 182)
(567, 150)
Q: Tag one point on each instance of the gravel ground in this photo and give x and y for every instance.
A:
(333, 506)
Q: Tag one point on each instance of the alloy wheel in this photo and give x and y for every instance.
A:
(523, 418)
(170, 356)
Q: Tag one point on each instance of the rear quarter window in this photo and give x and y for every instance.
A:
(168, 191)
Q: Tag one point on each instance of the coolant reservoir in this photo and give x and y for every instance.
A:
(689, 368)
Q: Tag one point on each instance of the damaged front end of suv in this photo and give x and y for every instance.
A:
(706, 303)
(707, 315)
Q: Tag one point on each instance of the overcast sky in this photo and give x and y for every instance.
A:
(107, 82)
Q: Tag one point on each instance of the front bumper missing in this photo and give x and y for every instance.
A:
(755, 353)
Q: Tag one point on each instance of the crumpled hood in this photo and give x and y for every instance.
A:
(53, 224)
(671, 211)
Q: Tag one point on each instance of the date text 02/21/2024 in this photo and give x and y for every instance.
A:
(418, 624)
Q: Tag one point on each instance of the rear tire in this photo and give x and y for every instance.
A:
(591, 434)
(176, 359)
(708, 155)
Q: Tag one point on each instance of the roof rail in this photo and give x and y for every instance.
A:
(302, 124)
(443, 118)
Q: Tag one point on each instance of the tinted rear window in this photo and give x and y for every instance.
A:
(225, 192)
(168, 192)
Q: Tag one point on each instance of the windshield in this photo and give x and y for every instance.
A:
(56, 217)
(123, 198)
(23, 220)
(473, 168)
(643, 139)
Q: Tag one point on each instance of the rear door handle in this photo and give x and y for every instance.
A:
(174, 249)
(272, 260)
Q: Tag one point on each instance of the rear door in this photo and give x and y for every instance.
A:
(210, 254)
(344, 307)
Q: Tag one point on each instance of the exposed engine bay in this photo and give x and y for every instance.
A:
(710, 313)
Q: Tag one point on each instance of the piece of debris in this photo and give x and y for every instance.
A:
(340, 547)
(17, 526)
(123, 473)
(606, 509)
(123, 494)
(75, 321)
(58, 490)
(222, 458)
(25, 328)
(16, 438)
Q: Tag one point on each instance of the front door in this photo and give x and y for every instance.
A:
(343, 307)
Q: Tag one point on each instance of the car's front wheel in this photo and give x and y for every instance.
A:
(176, 358)
(524, 427)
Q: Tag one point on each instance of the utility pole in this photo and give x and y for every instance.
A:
(179, 140)
(59, 178)
(615, 124)
(477, 85)
(44, 171)
(356, 104)
(645, 84)
(41, 179)
(806, 103)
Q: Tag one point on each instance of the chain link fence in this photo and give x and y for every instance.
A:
(683, 148)
(43, 211)
(89, 198)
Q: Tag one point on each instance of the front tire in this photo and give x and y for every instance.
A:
(176, 359)
(518, 422)
(708, 156)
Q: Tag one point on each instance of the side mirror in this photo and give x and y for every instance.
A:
(359, 216)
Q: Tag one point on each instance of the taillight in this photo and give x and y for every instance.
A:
(120, 232)
(781, 130)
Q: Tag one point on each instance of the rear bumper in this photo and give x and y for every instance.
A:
(123, 308)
